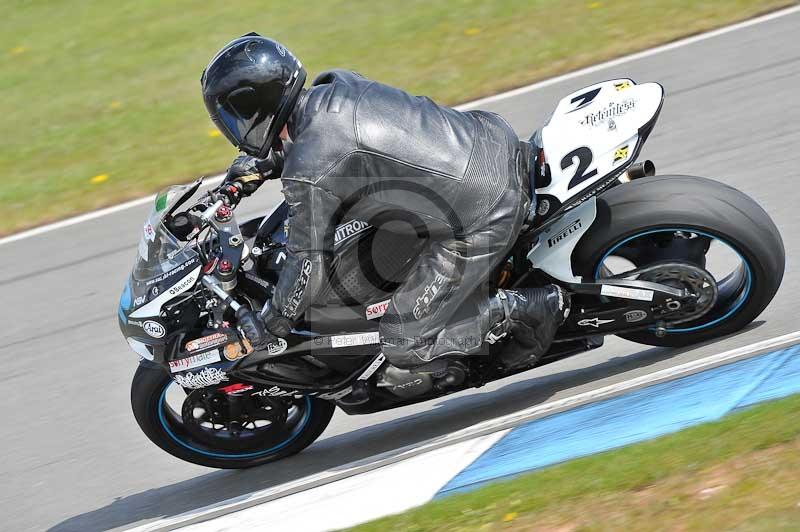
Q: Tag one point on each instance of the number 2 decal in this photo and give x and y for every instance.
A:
(584, 156)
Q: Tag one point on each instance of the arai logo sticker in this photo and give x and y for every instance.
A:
(376, 310)
(154, 329)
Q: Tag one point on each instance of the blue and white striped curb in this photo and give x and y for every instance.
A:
(605, 418)
(634, 417)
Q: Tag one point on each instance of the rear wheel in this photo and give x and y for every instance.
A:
(214, 429)
(695, 220)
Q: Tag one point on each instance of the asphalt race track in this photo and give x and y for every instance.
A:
(73, 457)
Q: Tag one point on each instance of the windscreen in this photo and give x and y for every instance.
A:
(159, 250)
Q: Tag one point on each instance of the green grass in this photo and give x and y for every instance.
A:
(739, 473)
(96, 88)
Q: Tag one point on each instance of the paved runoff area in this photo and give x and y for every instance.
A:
(73, 456)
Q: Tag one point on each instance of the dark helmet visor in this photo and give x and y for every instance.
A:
(243, 119)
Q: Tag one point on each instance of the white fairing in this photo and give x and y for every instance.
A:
(553, 252)
(594, 133)
(153, 308)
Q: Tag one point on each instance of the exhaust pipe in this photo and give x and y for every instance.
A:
(638, 170)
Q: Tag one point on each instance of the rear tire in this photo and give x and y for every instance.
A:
(147, 389)
(693, 204)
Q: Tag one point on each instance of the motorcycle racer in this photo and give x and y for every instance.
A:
(349, 148)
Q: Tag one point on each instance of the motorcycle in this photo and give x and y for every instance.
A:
(658, 260)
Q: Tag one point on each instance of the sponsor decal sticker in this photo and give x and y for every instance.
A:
(423, 304)
(233, 389)
(632, 316)
(372, 368)
(182, 285)
(161, 201)
(620, 154)
(349, 229)
(622, 85)
(613, 110)
(594, 322)
(276, 391)
(575, 226)
(175, 270)
(154, 306)
(154, 329)
(233, 351)
(201, 379)
(277, 347)
(626, 293)
(582, 100)
(290, 310)
(376, 310)
(352, 340)
(194, 361)
(206, 342)
(149, 232)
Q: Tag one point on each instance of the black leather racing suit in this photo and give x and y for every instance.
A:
(363, 150)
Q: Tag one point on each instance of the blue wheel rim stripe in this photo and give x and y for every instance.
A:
(298, 430)
(740, 300)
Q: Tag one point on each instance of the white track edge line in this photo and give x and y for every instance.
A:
(93, 215)
(479, 429)
(481, 101)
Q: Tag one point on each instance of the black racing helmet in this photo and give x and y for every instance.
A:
(250, 88)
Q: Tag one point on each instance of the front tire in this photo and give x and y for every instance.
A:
(655, 206)
(162, 426)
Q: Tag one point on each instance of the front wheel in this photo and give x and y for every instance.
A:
(213, 429)
(695, 220)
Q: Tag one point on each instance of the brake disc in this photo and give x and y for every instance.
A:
(209, 417)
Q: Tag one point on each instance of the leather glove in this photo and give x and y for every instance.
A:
(252, 328)
(250, 172)
(276, 323)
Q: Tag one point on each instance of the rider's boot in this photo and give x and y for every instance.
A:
(441, 374)
(530, 317)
